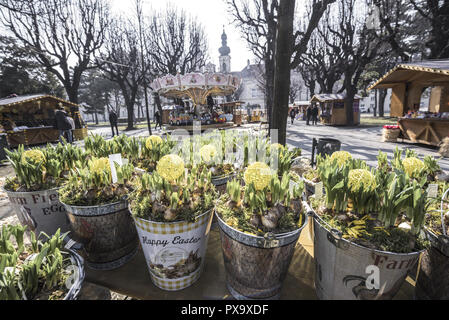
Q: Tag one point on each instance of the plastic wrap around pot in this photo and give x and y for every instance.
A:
(106, 232)
(348, 271)
(41, 211)
(174, 251)
(256, 266)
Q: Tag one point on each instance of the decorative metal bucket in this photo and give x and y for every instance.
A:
(174, 251)
(41, 211)
(433, 277)
(221, 182)
(106, 232)
(256, 266)
(348, 271)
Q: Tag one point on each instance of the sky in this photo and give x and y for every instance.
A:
(212, 14)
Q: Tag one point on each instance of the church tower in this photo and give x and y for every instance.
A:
(225, 58)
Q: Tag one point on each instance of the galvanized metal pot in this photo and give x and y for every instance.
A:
(106, 232)
(256, 266)
(433, 277)
(348, 271)
(174, 251)
(41, 211)
(221, 182)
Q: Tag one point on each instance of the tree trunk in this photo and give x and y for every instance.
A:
(96, 116)
(283, 54)
(269, 90)
(382, 96)
(375, 103)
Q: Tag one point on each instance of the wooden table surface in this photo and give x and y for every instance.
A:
(133, 279)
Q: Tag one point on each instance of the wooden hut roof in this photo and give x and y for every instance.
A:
(426, 72)
(8, 102)
(326, 97)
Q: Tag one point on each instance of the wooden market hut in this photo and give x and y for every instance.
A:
(30, 119)
(408, 81)
(332, 108)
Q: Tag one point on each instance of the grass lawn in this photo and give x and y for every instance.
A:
(369, 120)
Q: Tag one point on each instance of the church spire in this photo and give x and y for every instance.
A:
(224, 50)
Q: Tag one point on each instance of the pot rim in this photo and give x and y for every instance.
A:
(325, 225)
(223, 176)
(77, 285)
(169, 223)
(2, 188)
(278, 235)
(97, 206)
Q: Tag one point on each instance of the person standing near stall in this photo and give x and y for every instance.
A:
(113, 121)
(63, 124)
(157, 115)
(314, 114)
(292, 114)
(308, 114)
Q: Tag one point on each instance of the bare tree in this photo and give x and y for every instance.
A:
(122, 63)
(62, 35)
(177, 44)
(436, 13)
(258, 21)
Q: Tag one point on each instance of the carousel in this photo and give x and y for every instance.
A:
(197, 87)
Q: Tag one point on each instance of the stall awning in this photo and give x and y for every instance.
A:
(326, 97)
(428, 73)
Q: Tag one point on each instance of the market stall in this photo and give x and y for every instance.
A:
(30, 119)
(301, 107)
(332, 108)
(420, 124)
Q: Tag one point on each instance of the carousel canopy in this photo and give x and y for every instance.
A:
(196, 86)
(426, 72)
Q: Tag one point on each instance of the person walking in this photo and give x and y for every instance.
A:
(292, 114)
(314, 114)
(113, 121)
(63, 125)
(308, 114)
(157, 115)
(70, 132)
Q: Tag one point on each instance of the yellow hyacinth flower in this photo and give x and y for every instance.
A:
(99, 165)
(152, 141)
(33, 156)
(341, 156)
(170, 167)
(359, 176)
(412, 166)
(277, 146)
(258, 173)
(208, 153)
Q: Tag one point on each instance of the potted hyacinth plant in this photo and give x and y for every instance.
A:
(33, 191)
(373, 217)
(37, 270)
(260, 224)
(97, 207)
(143, 153)
(172, 213)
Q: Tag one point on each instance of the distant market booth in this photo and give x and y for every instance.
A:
(408, 82)
(30, 119)
(332, 108)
